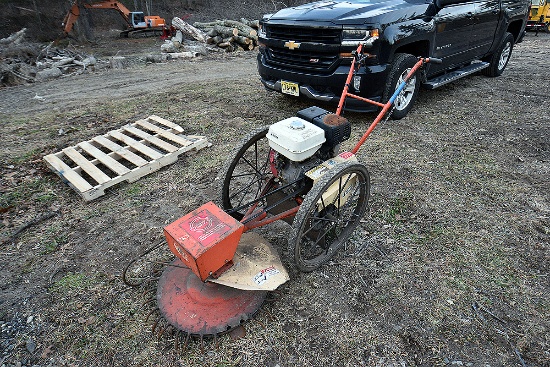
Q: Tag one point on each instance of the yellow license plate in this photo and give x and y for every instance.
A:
(290, 88)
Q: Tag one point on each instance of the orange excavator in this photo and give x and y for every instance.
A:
(136, 21)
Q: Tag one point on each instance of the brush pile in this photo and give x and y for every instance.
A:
(26, 62)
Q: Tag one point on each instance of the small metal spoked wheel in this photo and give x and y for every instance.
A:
(329, 214)
(246, 173)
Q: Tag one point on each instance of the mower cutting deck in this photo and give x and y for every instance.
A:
(220, 277)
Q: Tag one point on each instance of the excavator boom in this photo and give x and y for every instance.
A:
(136, 20)
(115, 5)
(71, 18)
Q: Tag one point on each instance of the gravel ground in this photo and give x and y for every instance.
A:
(448, 268)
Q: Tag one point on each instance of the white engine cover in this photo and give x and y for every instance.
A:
(295, 138)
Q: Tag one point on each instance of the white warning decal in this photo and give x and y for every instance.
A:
(265, 274)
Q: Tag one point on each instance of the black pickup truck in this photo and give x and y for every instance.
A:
(306, 50)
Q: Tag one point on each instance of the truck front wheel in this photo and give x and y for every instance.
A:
(402, 64)
(499, 60)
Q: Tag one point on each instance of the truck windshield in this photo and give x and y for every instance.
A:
(537, 2)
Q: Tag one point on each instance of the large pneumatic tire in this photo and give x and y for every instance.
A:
(499, 60)
(329, 214)
(246, 172)
(402, 64)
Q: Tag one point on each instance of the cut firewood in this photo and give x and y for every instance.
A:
(214, 40)
(251, 23)
(206, 25)
(243, 40)
(228, 46)
(230, 34)
(243, 28)
(226, 31)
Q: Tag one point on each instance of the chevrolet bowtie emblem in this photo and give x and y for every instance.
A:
(292, 45)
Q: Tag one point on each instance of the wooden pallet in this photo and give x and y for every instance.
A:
(126, 154)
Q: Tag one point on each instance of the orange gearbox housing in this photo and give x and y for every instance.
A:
(205, 240)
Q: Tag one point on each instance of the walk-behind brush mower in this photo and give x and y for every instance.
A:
(291, 171)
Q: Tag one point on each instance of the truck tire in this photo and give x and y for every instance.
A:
(401, 65)
(499, 60)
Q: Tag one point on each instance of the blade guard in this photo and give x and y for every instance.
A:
(257, 266)
(205, 240)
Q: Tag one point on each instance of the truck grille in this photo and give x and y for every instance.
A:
(299, 60)
(317, 62)
(315, 35)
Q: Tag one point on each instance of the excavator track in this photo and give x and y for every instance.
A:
(141, 33)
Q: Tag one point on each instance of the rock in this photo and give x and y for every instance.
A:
(168, 46)
(198, 49)
(50, 73)
(157, 58)
(31, 346)
(118, 62)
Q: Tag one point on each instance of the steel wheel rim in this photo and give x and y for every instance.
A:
(247, 175)
(320, 226)
(405, 97)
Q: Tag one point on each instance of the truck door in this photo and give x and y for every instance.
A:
(486, 19)
(453, 30)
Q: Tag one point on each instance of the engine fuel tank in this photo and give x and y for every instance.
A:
(295, 138)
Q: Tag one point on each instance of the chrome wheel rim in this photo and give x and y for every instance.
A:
(405, 97)
(504, 56)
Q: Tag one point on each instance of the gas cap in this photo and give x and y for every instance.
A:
(297, 125)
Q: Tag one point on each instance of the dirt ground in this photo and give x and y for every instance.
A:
(449, 267)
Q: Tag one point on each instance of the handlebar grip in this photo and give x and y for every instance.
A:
(434, 60)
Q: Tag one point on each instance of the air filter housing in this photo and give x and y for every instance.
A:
(337, 128)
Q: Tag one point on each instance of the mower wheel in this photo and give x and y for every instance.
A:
(246, 172)
(329, 214)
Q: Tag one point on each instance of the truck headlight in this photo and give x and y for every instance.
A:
(261, 30)
(353, 37)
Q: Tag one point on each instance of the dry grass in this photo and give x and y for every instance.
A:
(450, 267)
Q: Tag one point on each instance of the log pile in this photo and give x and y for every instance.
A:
(231, 35)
